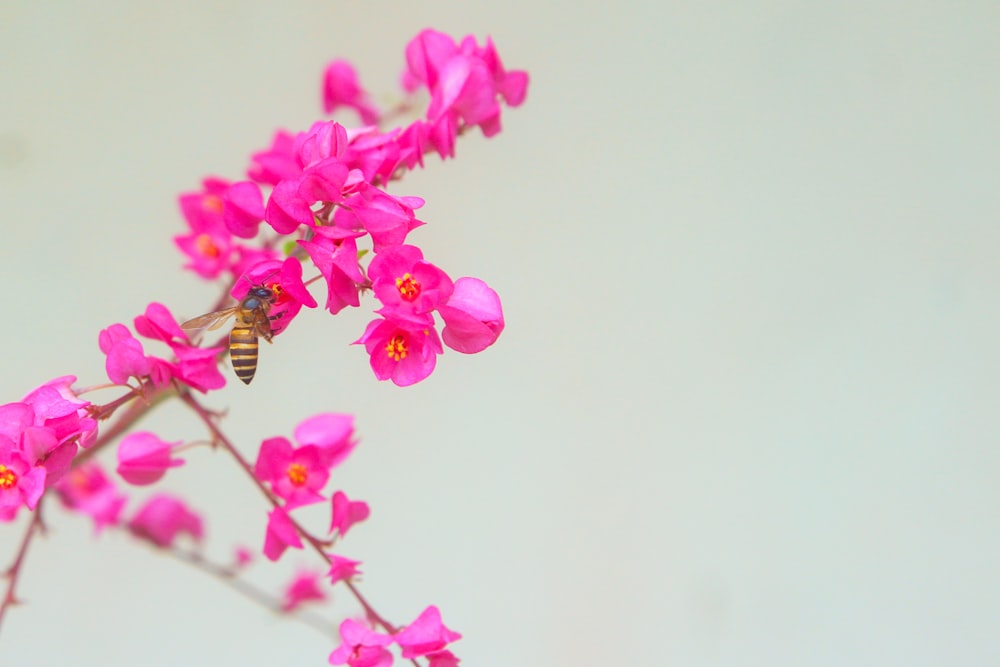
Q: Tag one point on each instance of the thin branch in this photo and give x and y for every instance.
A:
(14, 571)
(229, 576)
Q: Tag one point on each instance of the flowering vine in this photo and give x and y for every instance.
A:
(314, 207)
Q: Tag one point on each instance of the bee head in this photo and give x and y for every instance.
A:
(263, 293)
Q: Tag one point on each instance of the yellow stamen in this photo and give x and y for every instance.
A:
(8, 478)
(203, 244)
(409, 288)
(297, 474)
(396, 348)
(212, 203)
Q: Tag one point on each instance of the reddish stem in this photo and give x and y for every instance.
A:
(14, 571)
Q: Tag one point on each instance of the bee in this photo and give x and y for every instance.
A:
(252, 321)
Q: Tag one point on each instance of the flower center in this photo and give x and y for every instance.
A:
(204, 244)
(8, 478)
(396, 347)
(212, 203)
(409, 288)
(297, 474)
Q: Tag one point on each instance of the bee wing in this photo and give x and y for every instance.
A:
(209, 321)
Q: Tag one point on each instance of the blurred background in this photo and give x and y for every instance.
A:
(745, 408)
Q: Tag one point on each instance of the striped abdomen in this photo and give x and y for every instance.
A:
(243, 352)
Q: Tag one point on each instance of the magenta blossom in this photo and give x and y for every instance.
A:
(305, 587)
(57, 407)
(243, 209)
(425, 635)
(196, 367)
(361, 646)
(409, 287)
(88, 490)
(125, 356)
(281, 534)
(342, 89)
(332, 434)
(441, 659)
(473, 316)
(465, 82)
(346, 513)
(342, 569)
(284, 279)
(337, 261)
(400, 353)
(49, 426)
(386, 218)
(295, 474)
(277, 163)
(162, 518)
(158, 323)
(20, 482)
(143, 458)
(209, 244)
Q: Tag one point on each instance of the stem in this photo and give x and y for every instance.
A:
(230, 577)
(14, 571)
(314, 542)
(133, 414)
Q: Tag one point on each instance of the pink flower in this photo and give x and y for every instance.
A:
(400, 353)
(195, 367)
(88, 490)
(303, 588)
(342, 89)
(346, 513)
(342, 569)
(337, 261)
(441, 659)
(465, 82)
(158, 323)
(332, 434)
(49, 426)
(162, 518)
(425, 635)
(243, 209)
(198, 367)
(295, 474)
(361, 647)
(388, 219)
(281, 534)
(323, 143)
(143, 458)
(473, 316)
(376, 154)
(285, 280)
(323, 177)
(209, 244)
(409, 287)
(20, 482)
(125, 356)
(277, 163)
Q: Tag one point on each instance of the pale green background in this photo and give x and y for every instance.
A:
(745, 410)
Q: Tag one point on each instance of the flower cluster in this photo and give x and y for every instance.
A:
(126, 359)
(315, 201)
(320, 193)
(425, 637)
(39, 437)
(298, 474)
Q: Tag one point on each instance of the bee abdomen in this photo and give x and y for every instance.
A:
(243, 353)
